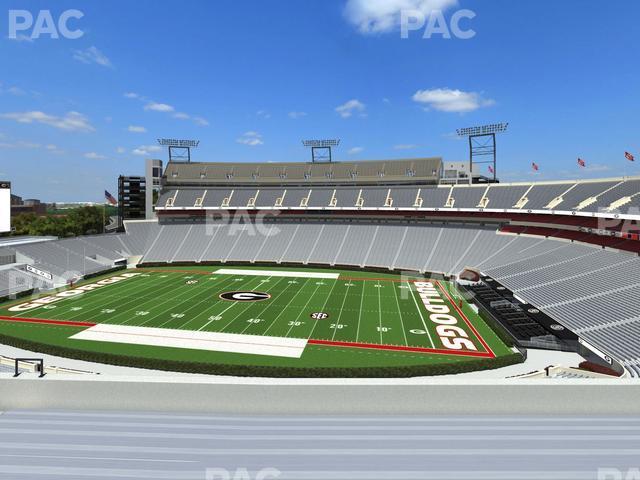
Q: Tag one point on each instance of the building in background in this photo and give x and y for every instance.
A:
(131, 199)
(153, 174)
(27, 205)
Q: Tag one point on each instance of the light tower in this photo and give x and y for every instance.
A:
(321, 149)
(179, 150)
(482, 143)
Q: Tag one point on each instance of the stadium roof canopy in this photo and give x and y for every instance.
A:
(413, 170)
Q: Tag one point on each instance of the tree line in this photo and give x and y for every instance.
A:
(87, 220)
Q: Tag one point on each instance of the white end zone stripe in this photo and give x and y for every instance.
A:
(276, 273)
(212, 341)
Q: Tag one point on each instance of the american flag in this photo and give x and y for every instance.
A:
(581, 162)
(110, 198)
(629, 157)
(535, 166)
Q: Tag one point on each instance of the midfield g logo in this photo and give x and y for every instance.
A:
(244, 296)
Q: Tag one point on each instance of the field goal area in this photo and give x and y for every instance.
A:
(262, 311)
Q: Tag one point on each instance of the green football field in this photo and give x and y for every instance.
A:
(296, 317)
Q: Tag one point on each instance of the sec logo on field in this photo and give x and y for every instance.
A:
(319, 315)
(244, 296)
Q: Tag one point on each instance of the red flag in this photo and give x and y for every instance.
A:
(535, 166)
(629, 157)
(581, 162)
(491, 169)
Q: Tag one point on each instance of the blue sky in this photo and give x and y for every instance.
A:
(250, 79)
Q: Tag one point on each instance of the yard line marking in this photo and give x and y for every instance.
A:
(170, 299)
(225, 280)
(344, 300)
(404, 332)
(324, 306)
(270, 304)
(304, 308)
(98, 302)
(216, 284)
(64, 300)
(421, 316)
(379, 312)
(228, 282)
(287, 306)
(247, 307)
(360, 311)
(187, 300)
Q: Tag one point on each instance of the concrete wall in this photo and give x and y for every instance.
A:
(264, 396)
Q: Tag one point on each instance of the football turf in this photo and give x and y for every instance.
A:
(357, 319)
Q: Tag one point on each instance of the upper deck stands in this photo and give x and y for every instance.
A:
(604, 196)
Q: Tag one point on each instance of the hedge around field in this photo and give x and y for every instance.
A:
(264, 371)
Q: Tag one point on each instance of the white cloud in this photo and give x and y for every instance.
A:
(252, 139)
(263, 114)
(200, 121)
(354, 150)
(94, 156)
(72, 121)
(296, 115)
(20, 144)
(405, 146)
(146, 150)
(92, 55)
(137, 129)
(52, 148)
(16, 91)
(347, 109)
(158, 107)
(382, 16)
(448, 100)
(150, 105)
(120, 150)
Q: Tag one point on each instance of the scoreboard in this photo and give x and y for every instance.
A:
(5, 207)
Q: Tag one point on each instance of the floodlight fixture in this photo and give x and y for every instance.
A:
(321, 143)
(321, 149)
(483, 129)
(482, 142)
(172, 142)
(179, 150)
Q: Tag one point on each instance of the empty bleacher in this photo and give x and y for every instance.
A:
(588, 196)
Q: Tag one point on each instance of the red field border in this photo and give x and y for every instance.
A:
(464, 317)
(47, 321)
(399, 348)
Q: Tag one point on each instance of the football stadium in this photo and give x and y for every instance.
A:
(340, 269)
